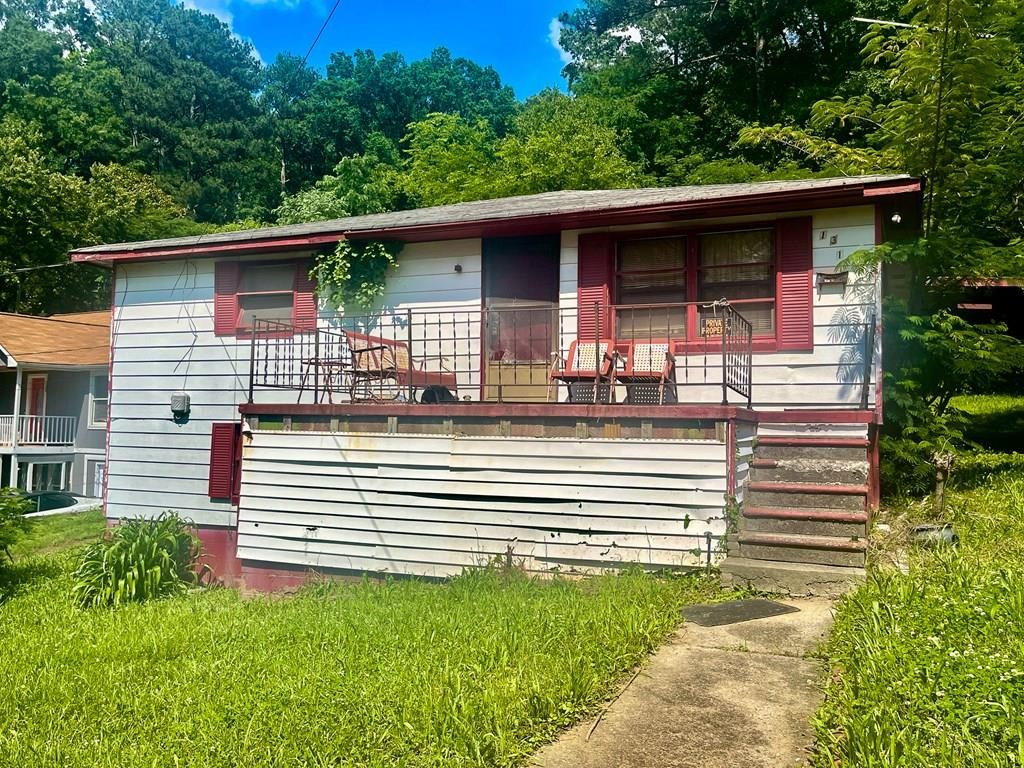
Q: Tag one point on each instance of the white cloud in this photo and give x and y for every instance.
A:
(219, 8)
(554, 32)
(222, 10)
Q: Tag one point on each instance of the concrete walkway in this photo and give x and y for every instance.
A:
(734, 695)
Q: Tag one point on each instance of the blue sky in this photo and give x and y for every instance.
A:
(513, 36)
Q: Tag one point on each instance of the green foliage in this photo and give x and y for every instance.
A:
(930, 663)
(556, 142)
(56, 533)
(12, 519)
(352, 275)
(475, 672)
(450, 159)
(361, 184)
(930, 360)
(138, 560)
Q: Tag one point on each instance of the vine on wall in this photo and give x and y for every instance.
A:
(353, 274)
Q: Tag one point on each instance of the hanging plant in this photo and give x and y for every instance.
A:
(353, 274)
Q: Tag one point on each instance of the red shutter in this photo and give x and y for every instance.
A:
(304, 308)
(222, 460)
(225, 298)
(794, 285)
(594, 273)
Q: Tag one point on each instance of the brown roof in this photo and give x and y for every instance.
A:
(569, 208)
(97, 317)
(79, 339)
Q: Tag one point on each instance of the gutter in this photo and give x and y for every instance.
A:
(764, 202)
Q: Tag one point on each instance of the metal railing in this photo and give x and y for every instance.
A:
(641, 355)
(869, 359)
(38, 430)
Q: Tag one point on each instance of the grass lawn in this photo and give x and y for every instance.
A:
(930, 663)
(993, 421)
(474, 672)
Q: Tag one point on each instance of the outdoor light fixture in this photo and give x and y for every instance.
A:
(896, 218)
(181, 404)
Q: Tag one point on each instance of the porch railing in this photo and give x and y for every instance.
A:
(37, 430)
(641, 355)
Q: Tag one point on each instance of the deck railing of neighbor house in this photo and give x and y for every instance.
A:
(38, 430)
(520, 353)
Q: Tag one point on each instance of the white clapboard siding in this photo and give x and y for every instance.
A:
(398, 498)
(163, 341)
(746, 434)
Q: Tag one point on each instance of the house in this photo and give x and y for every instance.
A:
(574, 380)
(53, 401)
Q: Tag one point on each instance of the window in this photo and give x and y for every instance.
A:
(651, 285)
(42, 476)
(738, 266)
(265, 292)
(99, 400)
(649, 275)
(248, 292)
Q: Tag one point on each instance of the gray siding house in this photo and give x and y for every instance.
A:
(53, 402)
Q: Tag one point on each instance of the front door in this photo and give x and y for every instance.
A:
(520, 276)
(33, 430)
(36, 404)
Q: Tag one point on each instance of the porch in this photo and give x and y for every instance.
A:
(647, 355)
(425, 441)
(27, 433)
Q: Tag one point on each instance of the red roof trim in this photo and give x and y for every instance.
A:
(909, 187)
(762, 202)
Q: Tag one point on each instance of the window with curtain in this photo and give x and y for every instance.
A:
(650, 287)
(738, 266)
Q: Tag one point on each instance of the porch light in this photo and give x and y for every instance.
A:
(181, 405)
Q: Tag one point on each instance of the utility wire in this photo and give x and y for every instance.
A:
(318, 34)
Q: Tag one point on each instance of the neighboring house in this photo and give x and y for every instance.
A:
(53, 401)
(551, 378)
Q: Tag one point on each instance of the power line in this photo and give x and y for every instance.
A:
(318, 34)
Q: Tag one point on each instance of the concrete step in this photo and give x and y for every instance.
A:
(806, 521)
(792, 548)
(817, 470)
(813, 441)
(815, 495)
(838, 453)
(790, 578)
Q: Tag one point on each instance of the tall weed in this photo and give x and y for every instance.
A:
(138, 560)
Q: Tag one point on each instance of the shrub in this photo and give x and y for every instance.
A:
(138, 560)
(12, 518)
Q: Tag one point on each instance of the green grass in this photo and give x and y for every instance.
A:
(56, 533)
(996, 422)
(475, 672)
(930, 663)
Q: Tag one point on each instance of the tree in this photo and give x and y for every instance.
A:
(557, 142)
(360, 184)
(694, 73)
(450, 160)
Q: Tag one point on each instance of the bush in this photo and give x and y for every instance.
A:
(12, 518)
(138, 560)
